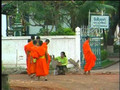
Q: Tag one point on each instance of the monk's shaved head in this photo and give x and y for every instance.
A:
(47, 41)
(34, 42)
(32, 37)
(38, 37)
(40, 43)
(29, 40)
(87, 37)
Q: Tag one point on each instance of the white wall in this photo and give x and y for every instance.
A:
(13, 48)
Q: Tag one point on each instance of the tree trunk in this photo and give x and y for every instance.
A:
(73, 23)
(57, 15)
(52, 28)
(110, 38)
(105, 41)
(47, 32)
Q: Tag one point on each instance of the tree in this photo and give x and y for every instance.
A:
(78, 11)
(55, 13)
(8, 9)
(95, 6)
(42, 13)
(114, 17)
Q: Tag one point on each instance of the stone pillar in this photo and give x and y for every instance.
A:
(77, 42)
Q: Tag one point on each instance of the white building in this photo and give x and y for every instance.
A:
(4, 25)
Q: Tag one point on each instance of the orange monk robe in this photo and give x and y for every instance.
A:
(41, 63)
(89, 56)
(33, 56)
(49, 58)
(27, 50)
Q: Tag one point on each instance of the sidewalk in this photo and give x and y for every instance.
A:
(114, 59)
(112, 69)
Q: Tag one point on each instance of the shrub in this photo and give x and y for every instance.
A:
(63, 31)
(104, 54)
(60, 31)
(43, 32)
(3, 68)
(102, 47)
(68, 31)
(116, 48)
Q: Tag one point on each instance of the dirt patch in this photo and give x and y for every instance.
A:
(66, 82)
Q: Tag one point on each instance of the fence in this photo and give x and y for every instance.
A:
(95, 44)
(13, 54)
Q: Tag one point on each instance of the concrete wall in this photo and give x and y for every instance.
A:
(13, 54)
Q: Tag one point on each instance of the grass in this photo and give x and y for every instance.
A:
(106, 63)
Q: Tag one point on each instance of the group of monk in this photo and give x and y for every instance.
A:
(37, 58)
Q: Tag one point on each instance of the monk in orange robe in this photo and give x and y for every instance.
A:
(38, 39)
(27, 50)
(41, 63)
(89, 56)
(33, 58)
(45, 46)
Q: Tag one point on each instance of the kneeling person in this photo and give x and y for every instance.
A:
(62, 63)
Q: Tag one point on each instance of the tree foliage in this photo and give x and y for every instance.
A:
(56, 13)
(114, 21)
(8, 9)
(60, 31)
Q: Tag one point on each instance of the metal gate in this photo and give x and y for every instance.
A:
(95, 44)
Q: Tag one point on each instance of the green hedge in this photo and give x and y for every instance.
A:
(63, 31)
(104, 55)
(116, 48)
(60, 31)
(3, 68)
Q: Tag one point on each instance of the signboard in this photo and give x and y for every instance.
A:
(101, 22)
